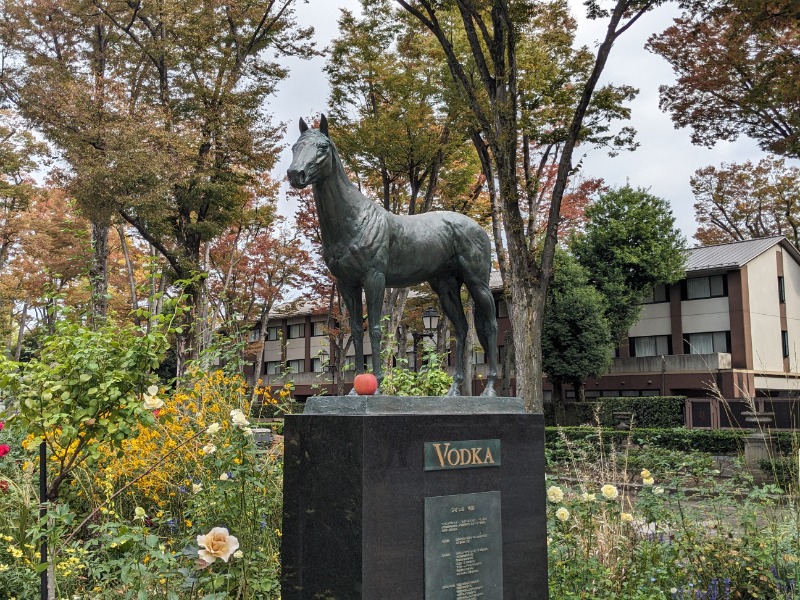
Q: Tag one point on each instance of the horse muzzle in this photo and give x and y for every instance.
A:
(297, 178)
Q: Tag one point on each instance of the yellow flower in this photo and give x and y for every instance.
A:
(555, 494)
(645, 474)
(648, 481)
(562, 514)
(188, 524)
(14, 551)
(609, 492)
(658, 490)
(4, 567)
(626, 517)
(587, 497)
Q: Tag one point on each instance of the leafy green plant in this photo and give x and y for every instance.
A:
(430, 380)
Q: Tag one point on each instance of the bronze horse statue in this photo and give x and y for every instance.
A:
(367, 247)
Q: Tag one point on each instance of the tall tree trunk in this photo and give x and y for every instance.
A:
(123, 240)
(98, 271)
(469, 351)
(262, 343)
(394, 305)
(508, 364)
(21, 333)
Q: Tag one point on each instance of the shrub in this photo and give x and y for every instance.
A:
(713, 441)
(647, 411)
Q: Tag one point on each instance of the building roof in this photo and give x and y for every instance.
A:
(734, 254)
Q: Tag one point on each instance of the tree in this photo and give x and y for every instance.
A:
(576, 340)
(486, 72)
(736, 67)
(737, 202)
(630, 244)
(255, 265)
(169, 126)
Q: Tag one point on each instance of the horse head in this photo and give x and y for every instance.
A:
(312, 158)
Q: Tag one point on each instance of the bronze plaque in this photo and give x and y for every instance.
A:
(463, 547)
(462, 454)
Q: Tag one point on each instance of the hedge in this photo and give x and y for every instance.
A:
(713, 441)
(648, 411)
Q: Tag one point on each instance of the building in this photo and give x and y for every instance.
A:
(730, 329)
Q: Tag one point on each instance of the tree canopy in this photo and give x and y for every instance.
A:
(629, 245)
(736, 63)
(742, 201)
(576, 340)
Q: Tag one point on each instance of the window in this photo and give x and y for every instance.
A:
(296, 331)
(350, 362)
(502, 309)
(781, 290)
(273, 333)
(651, 345)
(707, 343)
(713, 286)
(297, 366)
(317, 328)
(785, 342)
(478, 356)
(656, 294)
(272, 367)
(316, 365)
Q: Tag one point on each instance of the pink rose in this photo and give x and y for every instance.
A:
(4, 449)
(2, 425)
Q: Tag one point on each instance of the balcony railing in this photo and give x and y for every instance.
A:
(679, 363)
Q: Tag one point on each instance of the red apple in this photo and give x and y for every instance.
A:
(365, 384)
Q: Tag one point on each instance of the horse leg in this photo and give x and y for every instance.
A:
(486, 328)
(374, 288)
(352, 301)
(449, 293)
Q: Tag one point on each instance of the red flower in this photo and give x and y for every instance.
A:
(4, 449)
(156, 412)
(4, 486)
(2, 425)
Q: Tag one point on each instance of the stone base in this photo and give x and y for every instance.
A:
(359, 493)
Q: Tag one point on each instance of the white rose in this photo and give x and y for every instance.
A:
(213, 428)
(217, 543)
(609, 492)
(238, 418)
(238, 554)
(197, 488)
(224, 477)
(209, 449)
(555, 494)
(152, 390)
(151, 402)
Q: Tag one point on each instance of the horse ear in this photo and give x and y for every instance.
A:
(323, 125)
(303, 126)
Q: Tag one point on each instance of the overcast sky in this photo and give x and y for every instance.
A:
(664, 160)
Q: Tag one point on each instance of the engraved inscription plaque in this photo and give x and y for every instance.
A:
(462, 454)
(463, 547)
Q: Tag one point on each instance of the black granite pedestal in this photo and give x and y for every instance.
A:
(414, 499)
